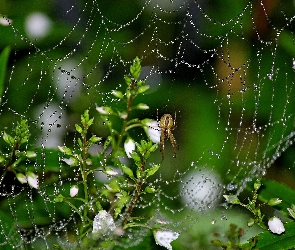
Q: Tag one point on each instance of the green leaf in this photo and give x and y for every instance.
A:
(78, 128)
(232, 199)
(98, 206)
(95, 139)
(80, 143)
(90, 122)
(121, 201)
(143, 89)
(153, 147)
(31, 154)
(127, 171)
(59, 198)
(8, 138)
(128, 80)
(3, 68)
(268, 240)
(279, 190)
(135, 156)
(117, 93)
(141, 106)
(151, 171)
(65, 150)
(150, 190)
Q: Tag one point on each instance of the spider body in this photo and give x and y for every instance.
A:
(166, 125)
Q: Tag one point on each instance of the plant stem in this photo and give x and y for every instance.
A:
(129, 105)
(135, 197)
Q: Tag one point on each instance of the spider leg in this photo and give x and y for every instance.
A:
(174, 144)
(162, 143)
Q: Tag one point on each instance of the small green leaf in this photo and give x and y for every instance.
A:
(118, 94)
(151, 171)
(257, 184)
(8, 139)
(31, 154)
(128, 80)
(135, 156)
(90, 122)
(150, 190)
(127, 171)
(80, 143)
(141, 106)
(291, 211)
(143, 89)
(121, 201)
(274, 201)
(232, 199)
(78, 129)
(59, 198)
(153, 147)
(65, 150)
(104, 110)
(2, 159)
(98, 206)
(95, 139)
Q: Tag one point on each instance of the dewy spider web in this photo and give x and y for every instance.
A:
(226, 68)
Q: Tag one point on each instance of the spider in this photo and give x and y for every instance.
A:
(166, 125)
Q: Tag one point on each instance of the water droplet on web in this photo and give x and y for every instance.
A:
(231, 187)
(223, 217)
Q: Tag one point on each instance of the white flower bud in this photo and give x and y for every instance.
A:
(74, 191)
(164, 238)
(129, 146)
(276, 226)
(21, 178)
(33, 180)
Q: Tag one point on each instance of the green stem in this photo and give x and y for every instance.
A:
(135, 197)
(84, 177)
(129, 105)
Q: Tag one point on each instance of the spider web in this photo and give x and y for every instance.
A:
(225, 67)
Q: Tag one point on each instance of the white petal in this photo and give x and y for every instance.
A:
(101, 110)
(129, 146)
(153, 131)
(74, 191)
(33, 180)
(164, 238)
(276, 226)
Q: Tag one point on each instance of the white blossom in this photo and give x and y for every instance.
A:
(103, 224)
(164, 238)
(111, 172)
(275, 225)
(153, 131)
(33, 180)
(74, 191)
(70, 161)
(37, 25)
(129, 146)
(102, 110)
